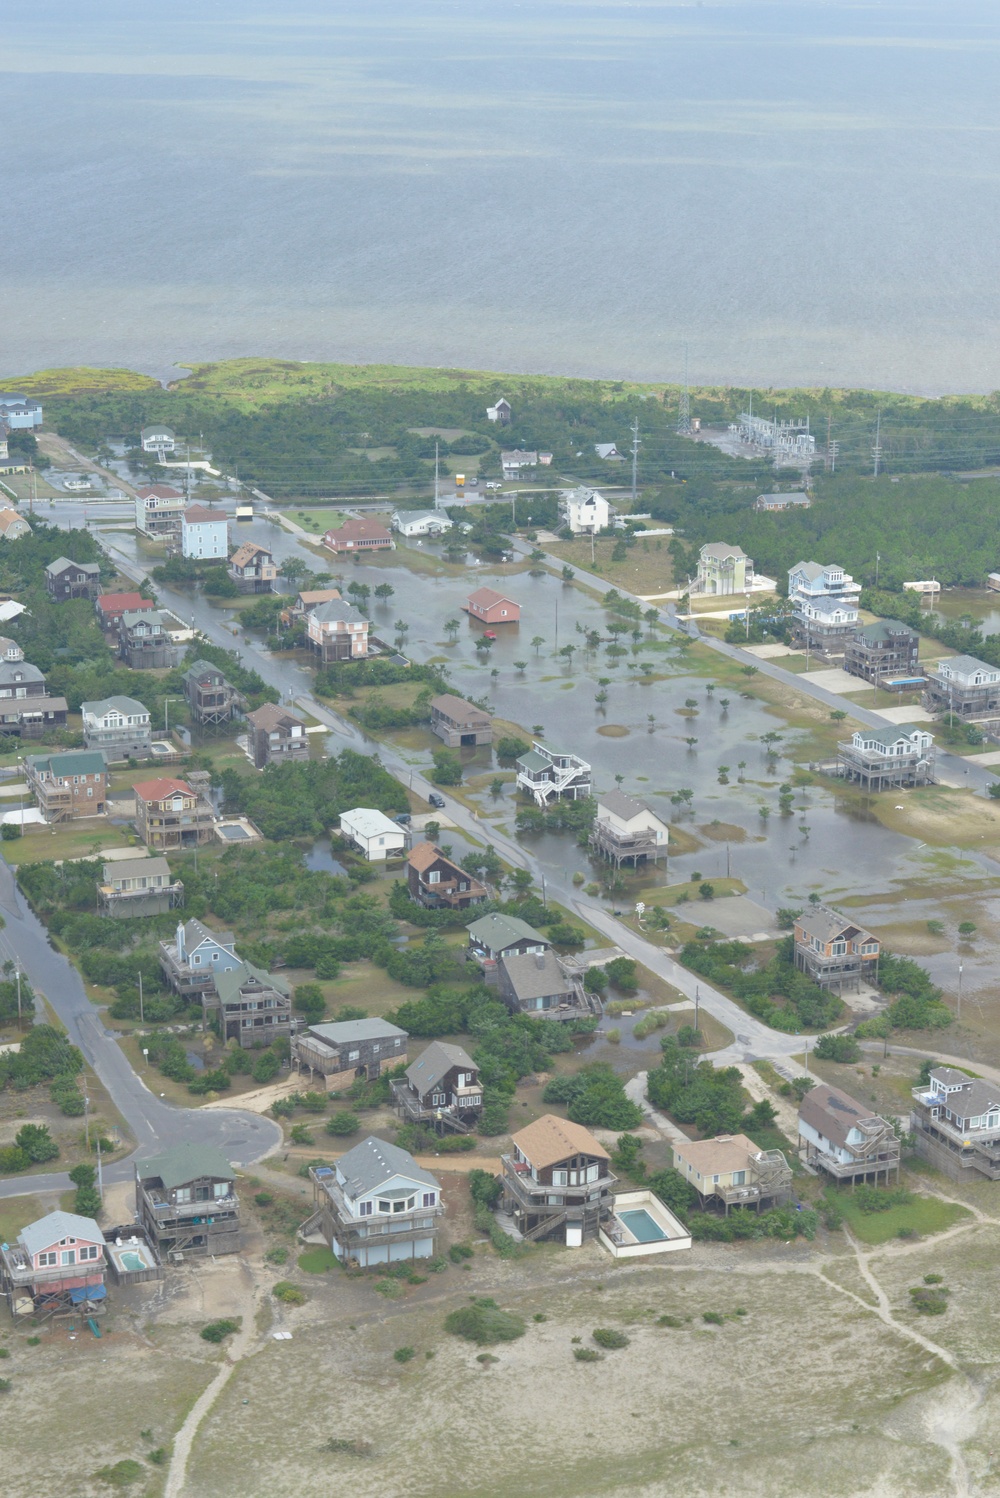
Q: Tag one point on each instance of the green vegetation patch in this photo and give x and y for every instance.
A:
(317, 1261)
(921, 1215)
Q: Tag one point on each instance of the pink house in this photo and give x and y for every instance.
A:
(57, 1263)
(491, 607)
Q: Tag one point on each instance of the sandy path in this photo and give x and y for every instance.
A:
(241, 1345)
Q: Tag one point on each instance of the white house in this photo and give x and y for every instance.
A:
(372, 833)
(500, 412)
(204, 534)
(550, 774)
(157, 439)
(811, 580)
(421, 522)
(625, 829)
(159, 509)
(377, 1205)
(516, 459)
(843, 1138)
(585, 511)
(118, 726)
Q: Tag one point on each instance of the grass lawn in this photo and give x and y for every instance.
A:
(76, 840)
(317, 1261)
(923, 1215)
(15, 1213)
(646, 570)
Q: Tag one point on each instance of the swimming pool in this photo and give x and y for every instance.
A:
(131, 1261)
(641, 1225)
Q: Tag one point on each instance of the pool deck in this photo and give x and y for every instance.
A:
(622, 1243)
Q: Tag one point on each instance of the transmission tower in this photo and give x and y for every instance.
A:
(877, 449)
(635, 456)
(684, 404)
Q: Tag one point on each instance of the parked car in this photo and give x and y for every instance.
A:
(492, 485)
(436, 800)
(404, 819)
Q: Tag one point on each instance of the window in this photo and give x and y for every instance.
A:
(353, 1055)
(429, 1199)
(404, 1204)
(47, 1260)
(434, 877)
(438, 1099)
(90, 1252)
(385, 1206)
(593, 1171)
(365, 1209)
(182, 1194)
(559, 1177)
(67, 1256)
(739, 1177)
(221, 1188)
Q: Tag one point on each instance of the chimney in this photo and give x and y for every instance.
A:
(539, 960)
(180, 941)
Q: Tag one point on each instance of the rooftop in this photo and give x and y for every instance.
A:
(373, 1162)
(270, 716)
(355, 528)
(485, 598)
(367, 822)
(201, 515)
(621, 805)
(70, 762)
(457, 708)
(436, 1062)
(186, 1162)
(159, 789)
(549, 1140)
(347, 1032)
(136, 868)
(535, 975)
(119, 602)
(718, 1156)
(497, 931)
(832, 1112)
(825, 924)
(40, 1235)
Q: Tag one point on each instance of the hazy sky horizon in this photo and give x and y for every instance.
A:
(801, 193)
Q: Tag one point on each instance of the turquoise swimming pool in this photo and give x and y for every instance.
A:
(641, 1225)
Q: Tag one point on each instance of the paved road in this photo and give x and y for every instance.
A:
(242, 1137)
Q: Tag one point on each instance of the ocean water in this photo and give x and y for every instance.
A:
(800, 191)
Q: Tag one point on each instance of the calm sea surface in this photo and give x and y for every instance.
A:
(803, 192)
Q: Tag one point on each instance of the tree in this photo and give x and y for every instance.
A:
(568, 574)
(537, 642)
(993, 789)
(521, 666)
(706, 890)
(567, 652)
(309, 1001)
(496, 790)
(651, 616)
(447, 768)
(484, 644)
(294, 569)
(37, 1143)
(838, 715)
(837, 1048)
(384, 591)
(451, 629)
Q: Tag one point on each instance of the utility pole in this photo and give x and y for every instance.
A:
(142, 1017)
(684, 404)
(437, 448)
(877, 449)
(878, 557)
(960, 966)
(635, 456)
(17, 977)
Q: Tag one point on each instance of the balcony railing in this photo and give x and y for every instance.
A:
(534, 1195)
(219, 1206)
(19, 1270)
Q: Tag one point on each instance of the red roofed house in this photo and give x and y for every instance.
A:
(110, 607)
(158, 511)
(490, 607)
(169, 814)
(359, 535)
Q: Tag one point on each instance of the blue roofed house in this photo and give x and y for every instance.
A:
(375, 1206)
(191, 961)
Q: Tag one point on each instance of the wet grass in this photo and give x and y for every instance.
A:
(922, 1216)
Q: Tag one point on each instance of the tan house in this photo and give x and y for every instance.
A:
(337, 631)
(723, 570)
(458, 722)
(138, 886)
(557, 1178)
(275, 736)
(12, 527)
(836, 953)
(734, 1172)
(169, 814)
(359, 535)
(252, 568)
(68, 785)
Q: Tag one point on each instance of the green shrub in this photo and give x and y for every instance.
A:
(712, 1317)
(587, 1355)
(459, 1251)
(277, 1256)
(218, 1331)
(933, 1279)
(837, 1048)
(484, 1188)
(930, 1301)
(299, 1134)
(672, 1321)
(289, 1294)
(343, 1123)
(484, 1322)
(609, 1339)
(404, 1354)
(880, 1198)
(37, 1143)
(158, 1457)
(5, 1385)
(264, 1198)
(121, 1475)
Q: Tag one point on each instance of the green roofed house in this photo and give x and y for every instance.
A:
(494, 936)
(897, 755)
(186, 1202)
(69, 785)
(885, 653)
(254, 1007)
